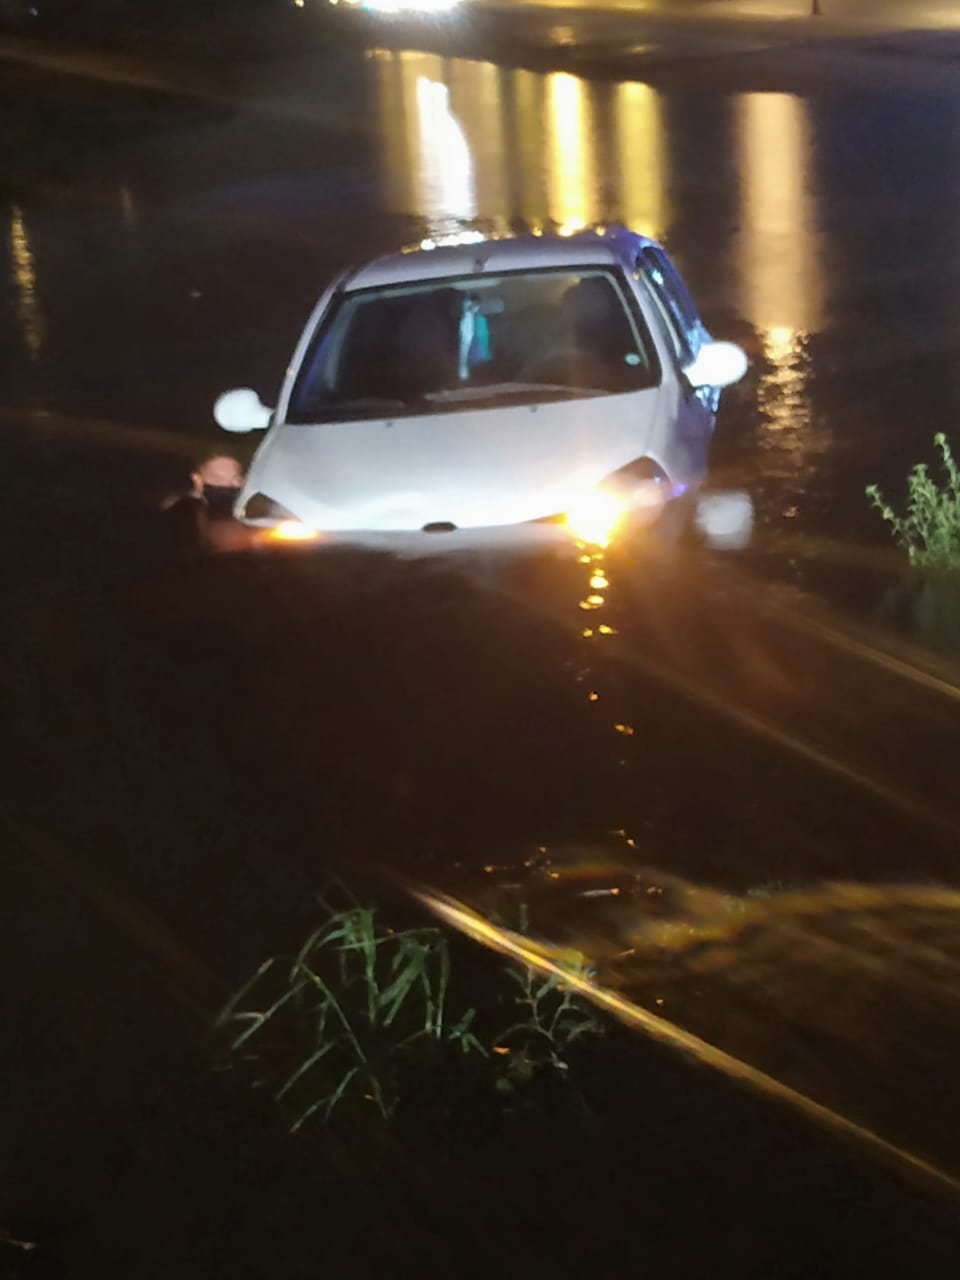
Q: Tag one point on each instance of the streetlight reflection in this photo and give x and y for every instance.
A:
(570, 180)
(447, 179)
(781, 275)
(641, 158)
(781, 272)
(128, 208)
(428, 160)
(506, 147)
(25, 281)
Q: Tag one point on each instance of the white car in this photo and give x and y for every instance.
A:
(534, 387)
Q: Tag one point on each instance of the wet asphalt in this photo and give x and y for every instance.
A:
(194, 745)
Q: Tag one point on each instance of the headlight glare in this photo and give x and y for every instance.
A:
(642, 485)
(284, 525)
(594, 517)
(291, 531)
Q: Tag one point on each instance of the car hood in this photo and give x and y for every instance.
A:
(466, 467)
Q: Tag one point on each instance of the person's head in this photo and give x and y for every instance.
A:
(220, 471)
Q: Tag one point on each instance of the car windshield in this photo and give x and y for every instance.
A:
(522, 337)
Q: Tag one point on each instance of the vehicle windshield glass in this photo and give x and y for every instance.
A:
(429, 347)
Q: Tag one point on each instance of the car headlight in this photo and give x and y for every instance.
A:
(285, 527)
(291, 531)
(642, 484)
(594, 517)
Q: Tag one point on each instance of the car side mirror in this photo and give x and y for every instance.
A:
(717, 364)
(241, 410)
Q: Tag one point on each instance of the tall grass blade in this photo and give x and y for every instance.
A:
(302, 1070)
(227, 1013)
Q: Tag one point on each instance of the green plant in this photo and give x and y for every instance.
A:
(361, 1014)
(929, 529)
(353, 1003)
(553, 1018)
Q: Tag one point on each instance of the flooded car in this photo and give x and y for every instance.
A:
(524, 388)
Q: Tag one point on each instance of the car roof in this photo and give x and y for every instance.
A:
(472, 253)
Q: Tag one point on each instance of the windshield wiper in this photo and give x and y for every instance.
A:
(379, 406)
(565, 387)
(498, 389)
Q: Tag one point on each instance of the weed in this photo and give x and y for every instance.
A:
(357, 998)
(553, 1017)
(929, 529)
(362, 1011)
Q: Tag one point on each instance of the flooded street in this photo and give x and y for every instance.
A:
(145, 276)
(736, 803)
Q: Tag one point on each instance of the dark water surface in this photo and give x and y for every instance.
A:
(155, 252)
(197, 746)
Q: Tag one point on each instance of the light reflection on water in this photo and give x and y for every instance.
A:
(128, 208)
(468, 142)
(448, 177)
(535, 143)
(780, 277)
(642, 157)
(570, 154)
(29, 313)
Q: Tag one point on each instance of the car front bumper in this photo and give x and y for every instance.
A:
(559, 534)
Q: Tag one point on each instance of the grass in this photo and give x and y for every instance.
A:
(364, 1015)
(352, 1004)
(929, 528)
(551, 1018)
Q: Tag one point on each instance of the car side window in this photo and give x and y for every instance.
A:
(663, 321)
(673, 296)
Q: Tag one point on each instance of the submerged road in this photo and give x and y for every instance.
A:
(194, 748)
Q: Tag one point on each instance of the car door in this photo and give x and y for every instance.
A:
(685, 334)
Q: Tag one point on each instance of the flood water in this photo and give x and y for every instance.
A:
(845, 994)
(675, 774)
(174, 258)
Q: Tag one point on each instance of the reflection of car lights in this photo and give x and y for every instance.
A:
(291, 531)
(726, 520)
(594, 517)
